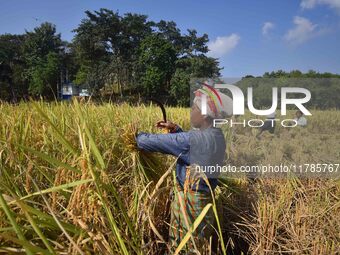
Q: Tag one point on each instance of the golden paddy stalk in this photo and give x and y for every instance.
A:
(80, 162)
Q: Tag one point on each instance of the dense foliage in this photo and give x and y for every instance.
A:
(123, 57)
(111, 54)
(324, 88)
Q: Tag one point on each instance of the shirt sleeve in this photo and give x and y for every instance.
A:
(301, 121)
(178, 129)
(176, 144)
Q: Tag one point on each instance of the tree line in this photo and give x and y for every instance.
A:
(112, 54)
(324, 87)
(115, 56)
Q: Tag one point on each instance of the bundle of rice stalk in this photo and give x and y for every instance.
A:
(152, 166)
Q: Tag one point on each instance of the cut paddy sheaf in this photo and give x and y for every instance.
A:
(72, 182)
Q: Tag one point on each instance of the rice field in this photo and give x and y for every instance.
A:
(72, 182)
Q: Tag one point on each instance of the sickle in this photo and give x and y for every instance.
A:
(161, 106)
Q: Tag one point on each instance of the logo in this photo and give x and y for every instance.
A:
(238, 100)
(238, 105)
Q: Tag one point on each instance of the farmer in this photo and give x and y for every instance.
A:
(202, 147)
(300, 119)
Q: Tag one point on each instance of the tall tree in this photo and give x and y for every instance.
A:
(12, 83)
(157, 64)
(42, 52)
(107, 44)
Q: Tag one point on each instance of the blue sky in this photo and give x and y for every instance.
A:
(249, 37)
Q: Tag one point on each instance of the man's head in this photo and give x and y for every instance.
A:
(199, 120)
(218, 105)
(298, 114)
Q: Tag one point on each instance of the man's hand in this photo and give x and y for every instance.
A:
(167, 125)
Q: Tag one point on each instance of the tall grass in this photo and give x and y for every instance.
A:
(71, 182)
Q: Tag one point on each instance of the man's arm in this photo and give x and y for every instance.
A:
(176, 144)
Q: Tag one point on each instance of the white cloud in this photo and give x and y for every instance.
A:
(266, 27)
(303, 31)
(309, 4)
(223, 45)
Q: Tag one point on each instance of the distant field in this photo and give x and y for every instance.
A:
(71, 182)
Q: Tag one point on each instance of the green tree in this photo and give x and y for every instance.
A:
(106, 45)
(42, 52)
(180, 87)
(157, 64)
(44, 76)
(12, 83)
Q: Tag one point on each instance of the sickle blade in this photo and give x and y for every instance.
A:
(161, 106)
